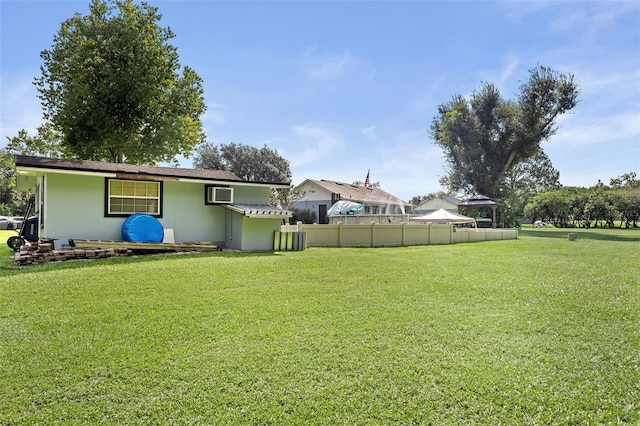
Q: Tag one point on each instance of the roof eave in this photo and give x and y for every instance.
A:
(38, 170)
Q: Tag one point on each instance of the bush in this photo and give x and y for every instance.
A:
(303, 215)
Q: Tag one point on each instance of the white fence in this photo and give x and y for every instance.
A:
(404, 234)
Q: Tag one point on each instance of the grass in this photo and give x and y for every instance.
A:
(538, 330)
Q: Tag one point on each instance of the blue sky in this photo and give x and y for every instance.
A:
(341, 87)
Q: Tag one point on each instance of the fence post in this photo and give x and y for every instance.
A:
(373, 233)
(404, 225)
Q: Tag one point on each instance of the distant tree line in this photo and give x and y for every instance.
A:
(599, 206)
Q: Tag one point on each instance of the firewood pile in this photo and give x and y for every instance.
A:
(43, 251)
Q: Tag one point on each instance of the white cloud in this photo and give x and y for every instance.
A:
(592, 17)
(369, 132)
(313, 141)
(215, 114)
(327, 66)
(409, 165)
(626, 84)
(517, 10)
(502, 75)
(509, 69)
(602, 130)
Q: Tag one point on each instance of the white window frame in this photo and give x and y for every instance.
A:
(145, 198)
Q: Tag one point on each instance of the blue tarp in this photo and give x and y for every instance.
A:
(344, 207)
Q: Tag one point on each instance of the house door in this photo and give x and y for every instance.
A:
(322, 213)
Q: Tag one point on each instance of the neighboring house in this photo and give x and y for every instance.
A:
(429, 206)
(90, 200)
(319, 195)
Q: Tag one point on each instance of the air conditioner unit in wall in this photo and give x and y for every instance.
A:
(219, 195)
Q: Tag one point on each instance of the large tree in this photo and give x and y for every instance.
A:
(249, 163)
(111, 87)
(485, 136)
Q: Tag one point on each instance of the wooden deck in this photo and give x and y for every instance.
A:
(145, 246)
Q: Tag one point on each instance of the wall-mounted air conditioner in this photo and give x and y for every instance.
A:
(219, 195)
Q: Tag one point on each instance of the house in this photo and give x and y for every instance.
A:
(319, 195)
(78, 199)
(431, 205)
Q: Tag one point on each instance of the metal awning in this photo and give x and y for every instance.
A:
(259, 211)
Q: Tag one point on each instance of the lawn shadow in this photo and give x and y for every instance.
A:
(632, 235)
(9, 268)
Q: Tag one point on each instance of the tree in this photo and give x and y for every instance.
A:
(12, 202)
(599, 205)
(627, 202)
(626, 180)
(419, 199)
(552, 206)
(524, 180)
(110, 86)
(46, 143)
(485, 136)
(248, 163)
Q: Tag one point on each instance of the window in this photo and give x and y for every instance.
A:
(125, 197)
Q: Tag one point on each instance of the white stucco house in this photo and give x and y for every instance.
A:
(319, 195)
(78, 199)
(447, 202)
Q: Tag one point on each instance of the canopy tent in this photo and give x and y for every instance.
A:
(344, 207)
(442, 215)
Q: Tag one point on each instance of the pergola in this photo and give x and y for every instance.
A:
(481, 201)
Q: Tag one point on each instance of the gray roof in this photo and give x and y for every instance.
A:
(358, 193)
(479, 200)
(452, 200)
(151, 171)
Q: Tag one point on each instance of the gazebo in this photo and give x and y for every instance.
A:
(482, 201)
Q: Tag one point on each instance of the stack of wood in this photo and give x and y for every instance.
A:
(43, 251)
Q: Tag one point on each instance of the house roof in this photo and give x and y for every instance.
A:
(452, 200)
(259, 211)
(357, 193)
(98, 167)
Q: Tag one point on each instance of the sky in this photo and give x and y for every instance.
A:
(343, 88)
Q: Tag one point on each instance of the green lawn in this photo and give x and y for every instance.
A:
(538, 330)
